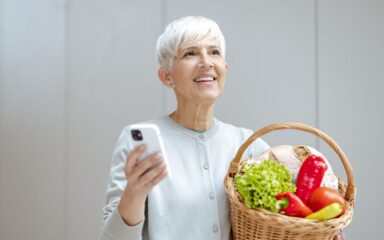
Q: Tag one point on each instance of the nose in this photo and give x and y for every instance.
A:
(205, 61)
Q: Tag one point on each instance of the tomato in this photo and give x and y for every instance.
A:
(323, 197)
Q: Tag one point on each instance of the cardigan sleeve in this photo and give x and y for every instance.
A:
(114, 227)
(256, 147)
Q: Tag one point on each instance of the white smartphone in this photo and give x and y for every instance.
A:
(148, 134)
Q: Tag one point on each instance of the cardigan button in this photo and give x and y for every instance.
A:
(205, 166)
(211, 195)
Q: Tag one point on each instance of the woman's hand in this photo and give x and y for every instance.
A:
(141, 176)
(338, 236)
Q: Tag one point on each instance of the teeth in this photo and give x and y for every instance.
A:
(204, 79)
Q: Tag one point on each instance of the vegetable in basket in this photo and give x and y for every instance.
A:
(292, 157)
(310, 176)
(260, 183)
(331, 211)
(290, 204)
(324, 196)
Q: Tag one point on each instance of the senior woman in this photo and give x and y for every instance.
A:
(143, 201)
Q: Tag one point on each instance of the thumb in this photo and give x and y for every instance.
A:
(337, 237)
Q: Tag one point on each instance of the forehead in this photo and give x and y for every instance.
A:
(200, 43)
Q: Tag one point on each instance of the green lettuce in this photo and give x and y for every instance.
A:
(259, 184)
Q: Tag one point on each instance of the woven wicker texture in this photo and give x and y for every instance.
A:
(250, 224)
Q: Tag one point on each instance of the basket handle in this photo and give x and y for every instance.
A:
(350, 191)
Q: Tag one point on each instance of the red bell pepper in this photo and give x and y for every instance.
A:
(310, 176)
(290, 204)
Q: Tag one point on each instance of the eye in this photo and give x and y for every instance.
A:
(215, 52)
(189, 53)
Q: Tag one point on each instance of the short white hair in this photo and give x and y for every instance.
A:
(185, 30)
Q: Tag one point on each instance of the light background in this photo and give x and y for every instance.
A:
(74, 73)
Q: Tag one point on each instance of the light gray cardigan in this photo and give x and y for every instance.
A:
(190, 205)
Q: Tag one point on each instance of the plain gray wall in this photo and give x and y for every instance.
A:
(74, 73)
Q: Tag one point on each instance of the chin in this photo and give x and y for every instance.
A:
(208, 98)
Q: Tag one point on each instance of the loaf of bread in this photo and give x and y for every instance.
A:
(292, 157)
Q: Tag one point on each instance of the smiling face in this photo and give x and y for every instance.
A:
(197, 72)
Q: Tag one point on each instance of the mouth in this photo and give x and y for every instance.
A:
(205, 79)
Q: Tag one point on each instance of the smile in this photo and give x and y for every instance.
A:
(205, 79)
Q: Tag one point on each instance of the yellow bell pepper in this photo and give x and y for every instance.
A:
(331, 211)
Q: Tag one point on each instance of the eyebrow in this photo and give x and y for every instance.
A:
(181, 51)
(194, 47)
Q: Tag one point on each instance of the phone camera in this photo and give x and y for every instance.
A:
(136, 135)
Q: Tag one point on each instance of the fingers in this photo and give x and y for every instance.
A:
(154, 176)
(337, 237)
(132, 158)
(146, 164)
(158, 178)
(134, 169)
(143, 175)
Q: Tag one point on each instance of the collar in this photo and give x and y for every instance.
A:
(201, 136)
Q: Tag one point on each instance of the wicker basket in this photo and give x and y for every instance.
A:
(261, 224)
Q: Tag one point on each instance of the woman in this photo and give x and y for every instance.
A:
(145, 203)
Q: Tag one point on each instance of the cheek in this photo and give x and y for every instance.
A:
(222, 84)
(222, 67)
(222, 70)
(182, 71)
(225, 69)
(177, 76)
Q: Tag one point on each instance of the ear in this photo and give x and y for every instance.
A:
(163, 75)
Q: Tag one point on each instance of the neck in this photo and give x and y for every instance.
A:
(195, 117)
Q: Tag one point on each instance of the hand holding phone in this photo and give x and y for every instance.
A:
(149, 135)
(143, 170)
